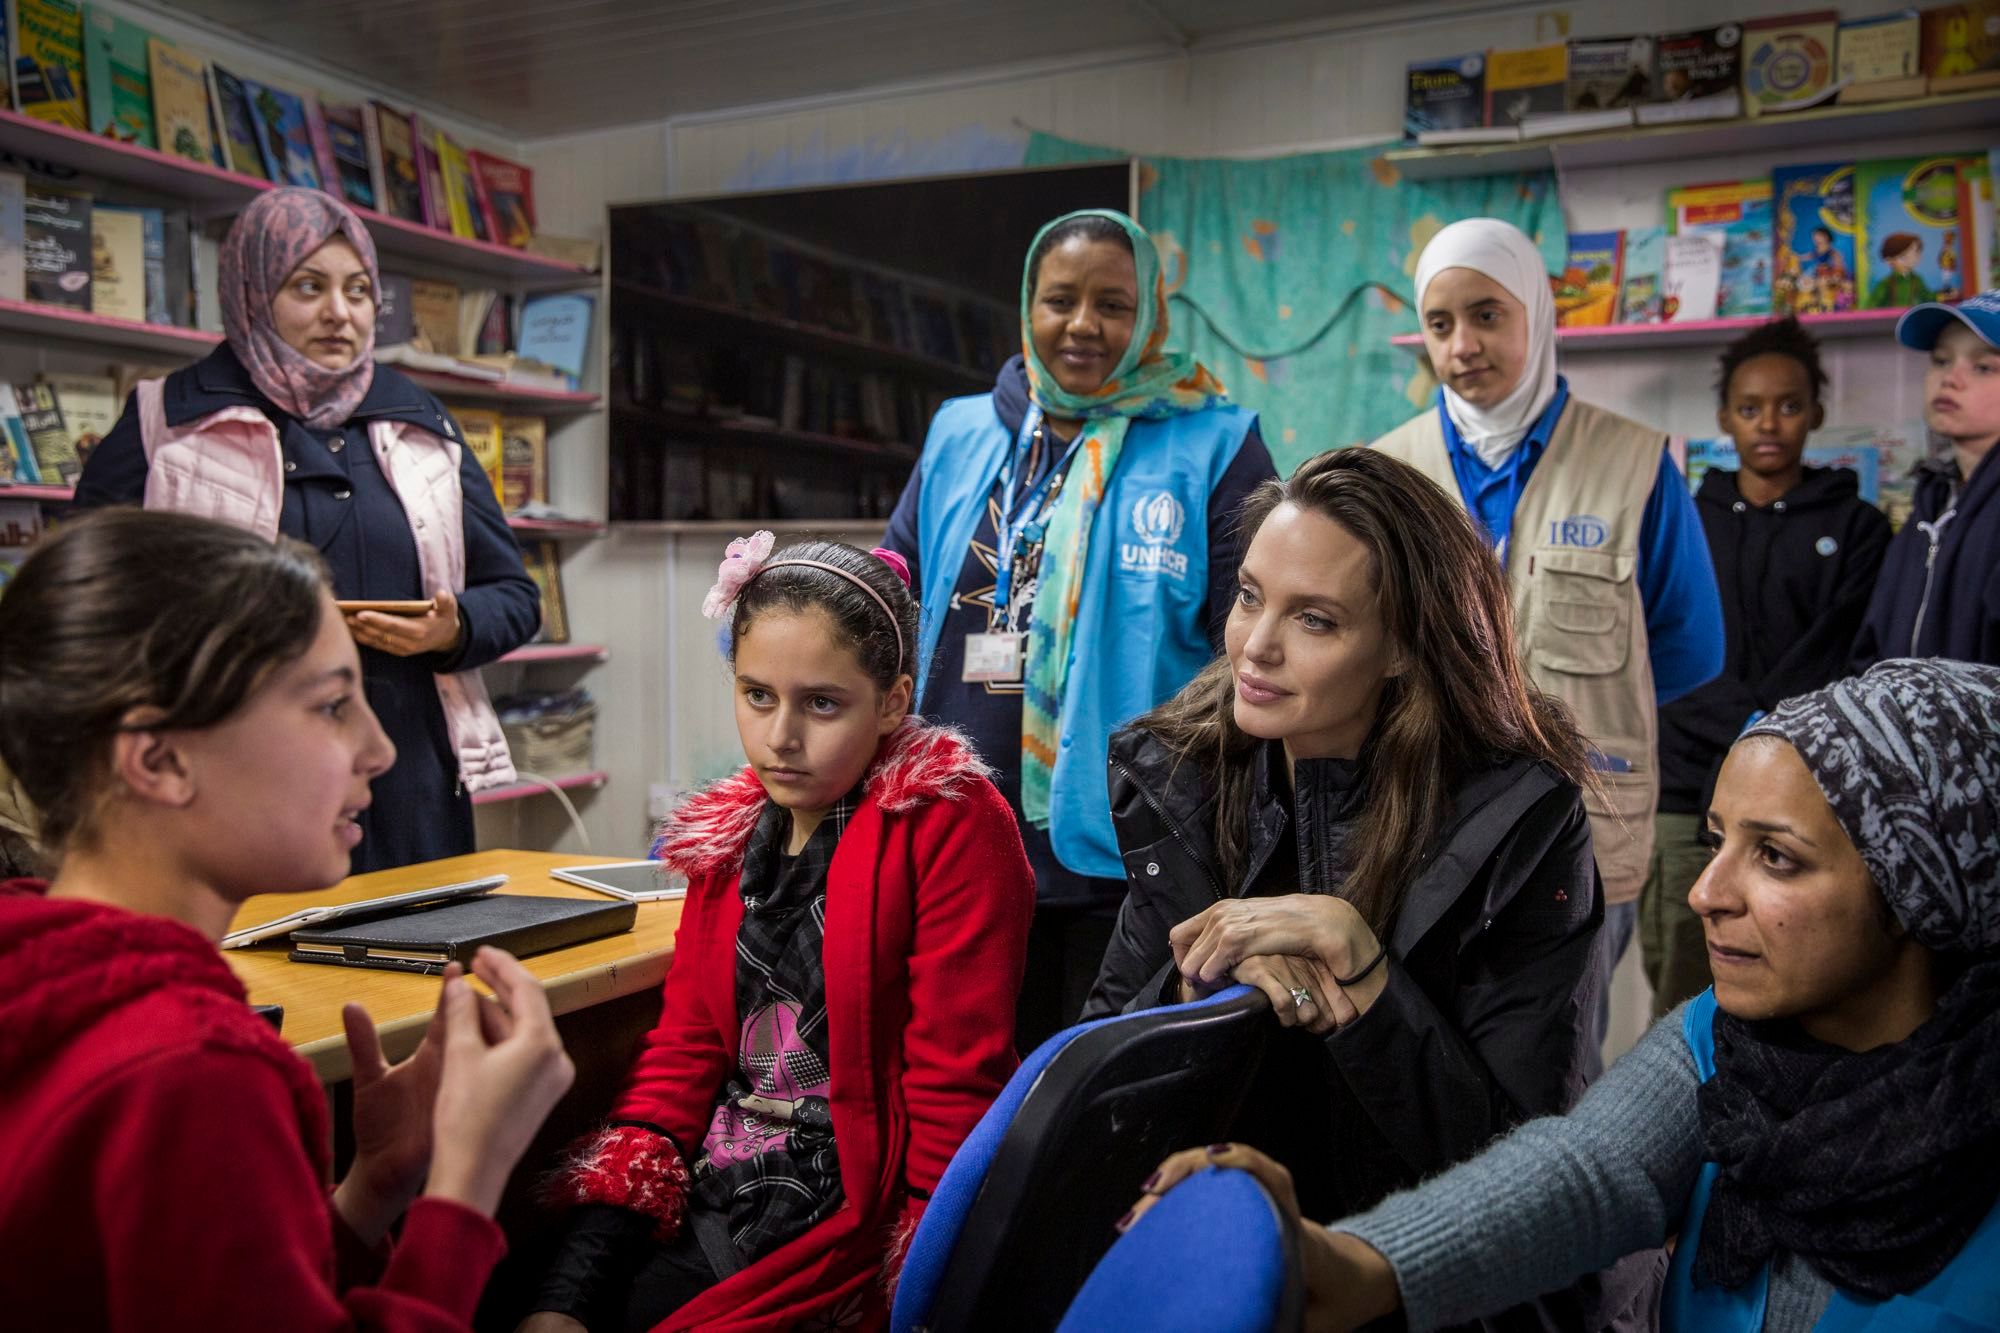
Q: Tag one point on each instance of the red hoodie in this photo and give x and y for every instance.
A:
(166, 1151)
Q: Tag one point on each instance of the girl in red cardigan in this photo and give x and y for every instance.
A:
(181, 702)
(840, 1009)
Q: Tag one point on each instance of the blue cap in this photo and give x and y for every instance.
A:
(1921, 324)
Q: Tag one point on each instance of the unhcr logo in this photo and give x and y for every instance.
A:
(1157, 522)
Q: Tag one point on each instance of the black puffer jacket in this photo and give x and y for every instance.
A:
(1795, 576)
(1479, 1027)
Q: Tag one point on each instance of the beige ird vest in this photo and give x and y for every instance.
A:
(1572, 566)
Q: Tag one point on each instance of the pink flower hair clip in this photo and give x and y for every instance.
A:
(741, 563)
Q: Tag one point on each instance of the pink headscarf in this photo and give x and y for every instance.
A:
(270, 239)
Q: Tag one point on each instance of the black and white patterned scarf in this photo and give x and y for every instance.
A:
(1876, 1166)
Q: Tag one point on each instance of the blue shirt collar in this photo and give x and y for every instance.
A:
(1531, 446)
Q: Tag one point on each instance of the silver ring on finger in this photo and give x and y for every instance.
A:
(1301, 997)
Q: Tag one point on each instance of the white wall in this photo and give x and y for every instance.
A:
(1340, 88)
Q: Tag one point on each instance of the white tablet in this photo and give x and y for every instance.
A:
(634, 881)
(395, 902)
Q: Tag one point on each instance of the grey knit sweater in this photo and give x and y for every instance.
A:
(1567, 1195)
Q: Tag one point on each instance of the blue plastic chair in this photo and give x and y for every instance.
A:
(1028, 1203)
(1214, 1255)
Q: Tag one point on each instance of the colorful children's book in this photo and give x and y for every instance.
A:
(1740, 211)
(13, 237)
(1609, 72)
(509, 189)
(481, 428)
(1639, 299)
(1528, 82)
(1977, 222)
(1961, 45)
(15, 436)
(237, 124)
(399, 193)
(279, 120)
(1908, 248)
(118, 263)
(555, 330)
(1587, 292)
(1447, 93)
(524, 465)
(118, 79)
(1788, 60)
(1812, 210)
(461, 191)
(48, 61)
(56, 228)
(55, 455)
(180, 102)
(347, 137)
(1692, 277)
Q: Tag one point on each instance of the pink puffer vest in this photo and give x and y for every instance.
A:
(228, 466)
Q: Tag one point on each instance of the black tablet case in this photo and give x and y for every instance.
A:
(518, 923)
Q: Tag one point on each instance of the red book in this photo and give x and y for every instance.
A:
(508, 192)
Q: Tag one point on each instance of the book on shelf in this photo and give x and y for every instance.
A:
(544, 565)
(480, 427)
(1446, 93)
(434, 312)
(322, 144)
(512, 369)
(12, 473)
(1788, 60)
(278, 118)
(56, 245)
(524, 463)
(27, 472)
(580, 251)
(393, 321)
(555, 330)
(464, 210)
(20, 530)
(1740, 212)
(1606, 72)
(48, 61)
(1907, 246)
(509, 190)
(1692, 277)
(1879, 57)
(347, 142)
(1812, 211)
(1961, 46)
(1586, 293)
(179, 280)
(495, 334)
(430, 177)
(13, 236)
(118, 266)
(411, 357)
(89, 405)
(1976, 216)
(55, 455)
(1532, 81)
(475, 308)
(1643, 286)
(400, 187)
(236, 123)
(180, 102)
(1699, 73)
(117, 77)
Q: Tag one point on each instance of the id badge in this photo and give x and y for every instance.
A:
(993, 659)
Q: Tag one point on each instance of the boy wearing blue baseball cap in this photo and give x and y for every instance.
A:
(1939, 590)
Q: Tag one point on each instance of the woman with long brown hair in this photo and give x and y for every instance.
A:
(1365, 810)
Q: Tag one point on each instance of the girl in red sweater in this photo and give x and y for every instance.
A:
(841, 1005)
(181, 702)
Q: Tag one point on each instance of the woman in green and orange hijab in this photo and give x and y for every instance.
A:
(1069, 537)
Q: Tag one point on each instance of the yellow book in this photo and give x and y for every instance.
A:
(482, 436)
(1529, 82)
(524, 468)
(180, 102)
(48, 61)
(118, 264)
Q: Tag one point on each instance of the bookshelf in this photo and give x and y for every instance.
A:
(1835, 128)
(55, 149)
(1700, 332)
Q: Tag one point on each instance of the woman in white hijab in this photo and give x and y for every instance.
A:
(1615, 604)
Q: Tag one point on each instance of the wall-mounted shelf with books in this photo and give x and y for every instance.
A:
(1701, 332)
(558, 652)
(63, 149)
(693, 427)
(1835, 128)
(877, 355)
(53, 323)
(590, 781)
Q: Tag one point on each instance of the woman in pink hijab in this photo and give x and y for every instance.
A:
(291, 427)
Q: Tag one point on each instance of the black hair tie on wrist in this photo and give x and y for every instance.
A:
(1362, 975)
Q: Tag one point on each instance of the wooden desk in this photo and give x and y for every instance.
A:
(401, 1004)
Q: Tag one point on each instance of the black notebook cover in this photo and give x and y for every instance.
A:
(426, 941)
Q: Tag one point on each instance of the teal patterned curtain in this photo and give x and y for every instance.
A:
(1290, 275)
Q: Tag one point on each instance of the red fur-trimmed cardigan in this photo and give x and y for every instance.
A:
(927, 907)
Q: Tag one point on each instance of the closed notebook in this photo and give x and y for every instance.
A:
(426, 941)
